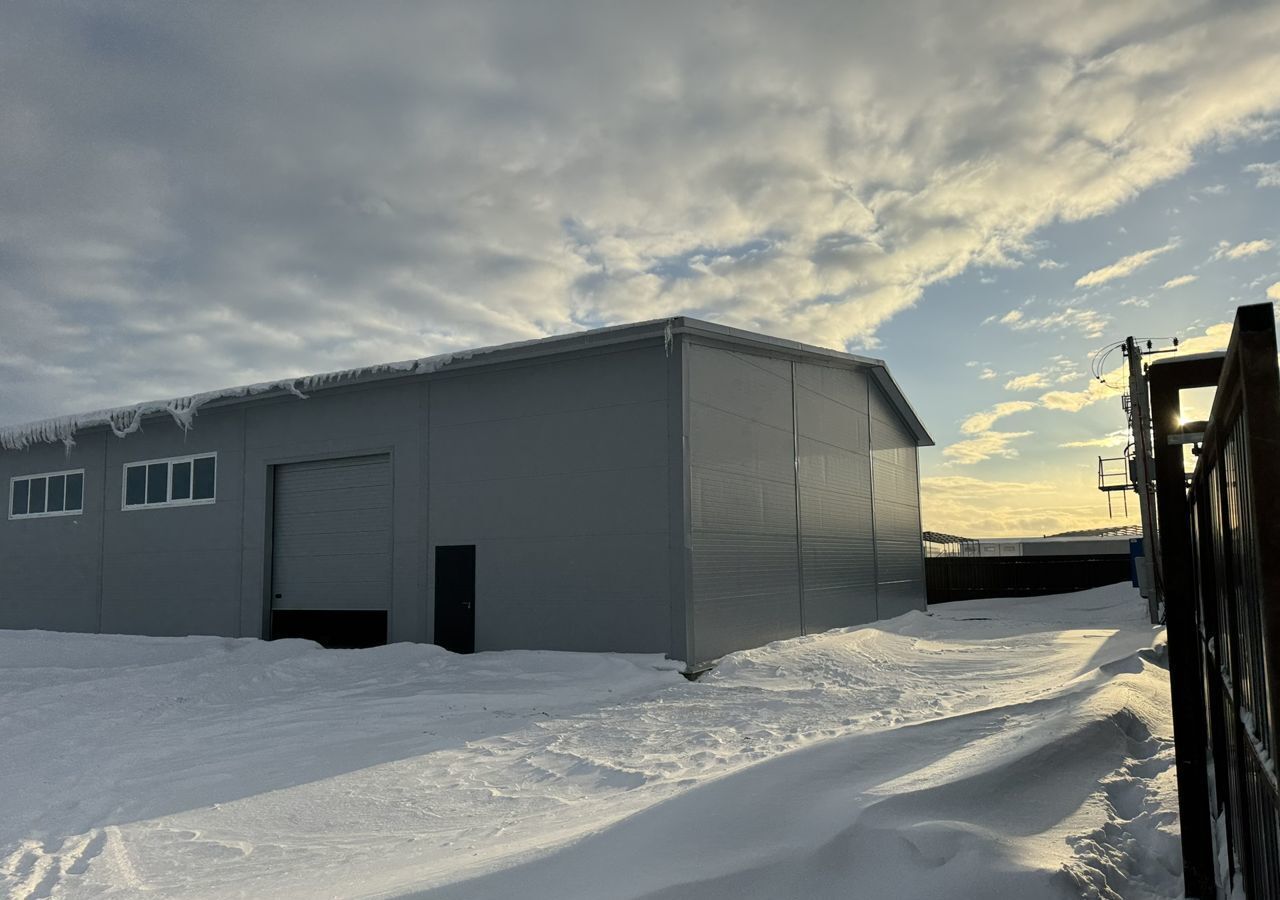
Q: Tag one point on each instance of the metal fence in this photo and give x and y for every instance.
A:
(950, 578)
(1233, 507)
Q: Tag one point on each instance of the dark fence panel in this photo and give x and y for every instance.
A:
(1234, 511)
(949, 578)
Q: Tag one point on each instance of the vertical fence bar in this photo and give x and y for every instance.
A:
(1258, 461)
(1186, 685)
(1231, 534)
(1260, 384)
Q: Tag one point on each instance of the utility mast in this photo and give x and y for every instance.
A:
(1143, 476)
(1136, 469)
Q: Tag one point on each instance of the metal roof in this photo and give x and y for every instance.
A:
(941, 537)
(123, 420)
(1106, 531)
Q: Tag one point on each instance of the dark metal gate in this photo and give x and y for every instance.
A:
(1226, 635)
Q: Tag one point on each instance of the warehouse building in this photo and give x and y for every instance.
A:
(671, 486)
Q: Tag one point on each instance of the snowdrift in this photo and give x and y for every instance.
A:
(992, 749)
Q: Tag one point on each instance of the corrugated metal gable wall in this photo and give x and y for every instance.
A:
(804, 503)
(836, 539)
(896, 492)
(746, 588)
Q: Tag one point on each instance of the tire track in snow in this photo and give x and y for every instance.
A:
(517, 785)
(38, 868)
(970, 805)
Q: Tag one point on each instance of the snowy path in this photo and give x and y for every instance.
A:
(993, 749)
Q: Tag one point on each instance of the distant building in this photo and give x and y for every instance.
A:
(1089, 542)
(670, 486)
(961, 568)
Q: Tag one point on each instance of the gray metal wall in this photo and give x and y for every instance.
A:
(836, 537)
(558, 474)
(557, 469)
(804, 504)
(896, 492)
(742, 475)
(161, 571)
(173, 570)
(49, 575)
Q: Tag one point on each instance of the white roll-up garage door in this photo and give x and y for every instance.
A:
(331, 536)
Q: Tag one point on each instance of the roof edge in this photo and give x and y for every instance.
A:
(879, 369)
(124, 420)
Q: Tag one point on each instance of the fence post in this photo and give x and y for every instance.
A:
(1233, 594)
(1260, 383)
(1186, 686)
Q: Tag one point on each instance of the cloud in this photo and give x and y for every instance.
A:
(1242, 250)
(985, 446)
(1063, 369)
(198, 196)
(1179, 281)
(1074, 401)
(1268, 173)
(985, 443)
(1215, 337)
(981, 421)
(1087, 322)
(1122, 268)
(1273, 292)
(1113, 439)
(976, 507)
(1214, 189)
(1027, 382)
(1051, 264)
(1135, 301)
(965, 484)
(988, 374)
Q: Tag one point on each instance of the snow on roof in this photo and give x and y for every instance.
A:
(124, 420)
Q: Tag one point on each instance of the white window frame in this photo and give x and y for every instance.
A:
(46, 475)
(168, 481)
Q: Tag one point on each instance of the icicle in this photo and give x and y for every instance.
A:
(126, 420)
(668, 337)
(183, 411)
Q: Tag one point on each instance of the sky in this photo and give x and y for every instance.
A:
(982, 194)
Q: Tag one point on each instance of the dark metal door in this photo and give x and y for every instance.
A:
(456, 598)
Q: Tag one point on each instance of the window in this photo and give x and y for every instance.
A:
(181, 481)
(49, 494)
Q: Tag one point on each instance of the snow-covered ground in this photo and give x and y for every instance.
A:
(989, 749)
